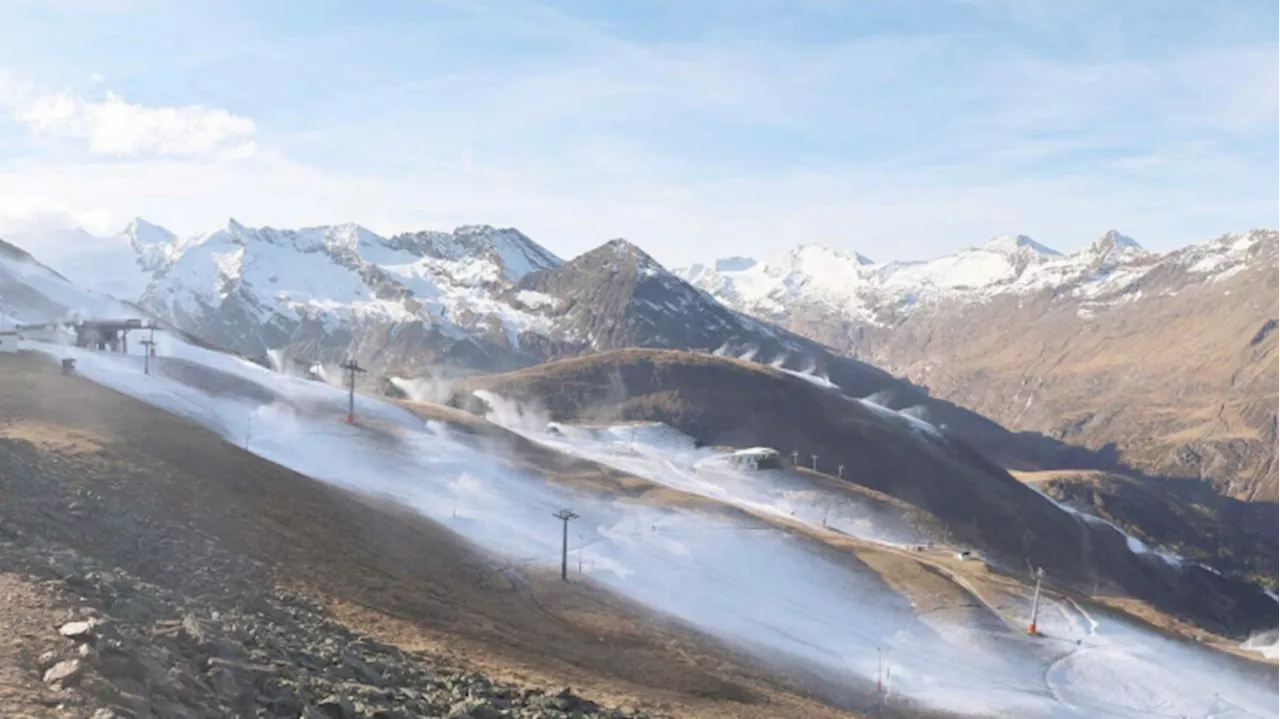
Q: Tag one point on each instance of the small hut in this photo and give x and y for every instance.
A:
(756, 458)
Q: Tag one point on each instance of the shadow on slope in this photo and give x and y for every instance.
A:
(724, 401)
(1184, 516)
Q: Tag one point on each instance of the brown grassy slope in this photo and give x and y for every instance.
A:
(1181, 381)
(723, 401)
(378, 566)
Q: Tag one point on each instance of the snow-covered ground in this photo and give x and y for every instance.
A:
(1135, 545)
(666, 456)
(786, 597)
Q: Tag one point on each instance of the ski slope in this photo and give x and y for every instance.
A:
(791, 600)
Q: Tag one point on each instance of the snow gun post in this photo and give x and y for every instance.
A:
(879, 671)
(565, 515)
(351, 367)
(149, 351)
(1035, 603)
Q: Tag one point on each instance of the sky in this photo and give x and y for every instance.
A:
(901, 129)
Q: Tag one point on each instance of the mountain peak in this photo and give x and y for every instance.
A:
(147, 233)
(623, 246)
(823, 253)
(618, 249)
(1113, 240)
(735, 264)
(1013, 244)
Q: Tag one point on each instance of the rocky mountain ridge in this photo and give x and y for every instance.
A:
(1164, 360)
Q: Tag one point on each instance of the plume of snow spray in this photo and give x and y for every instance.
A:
(276, 358)
(750, 354)
(722, 350)
(509, 413)
(424, 389)
(1265, 643)
(780, 360)
(318, 370)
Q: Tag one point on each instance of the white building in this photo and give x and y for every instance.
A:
(8, 342)
(756, 458)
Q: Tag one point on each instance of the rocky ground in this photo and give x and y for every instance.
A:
(89, 640)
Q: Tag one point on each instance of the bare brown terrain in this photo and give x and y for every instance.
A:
(1181, 381)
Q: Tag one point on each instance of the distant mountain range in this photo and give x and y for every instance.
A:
(814, 280)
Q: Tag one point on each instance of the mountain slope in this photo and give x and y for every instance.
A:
(122, 265)
(816, 601)
(1169, 358)
(724, 401)
(1165, 363)
(138, 490)
(327, 293)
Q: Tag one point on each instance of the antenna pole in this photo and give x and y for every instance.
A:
(879, 670)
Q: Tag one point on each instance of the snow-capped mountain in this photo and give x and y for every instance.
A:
(479, 297)
(121, 265)
(851, 287)
(328, 292)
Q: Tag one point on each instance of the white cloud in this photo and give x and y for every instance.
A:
(116, 127)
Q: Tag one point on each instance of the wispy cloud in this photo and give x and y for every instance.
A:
(113, 126)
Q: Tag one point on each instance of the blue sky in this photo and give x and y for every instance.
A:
(898, 128)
